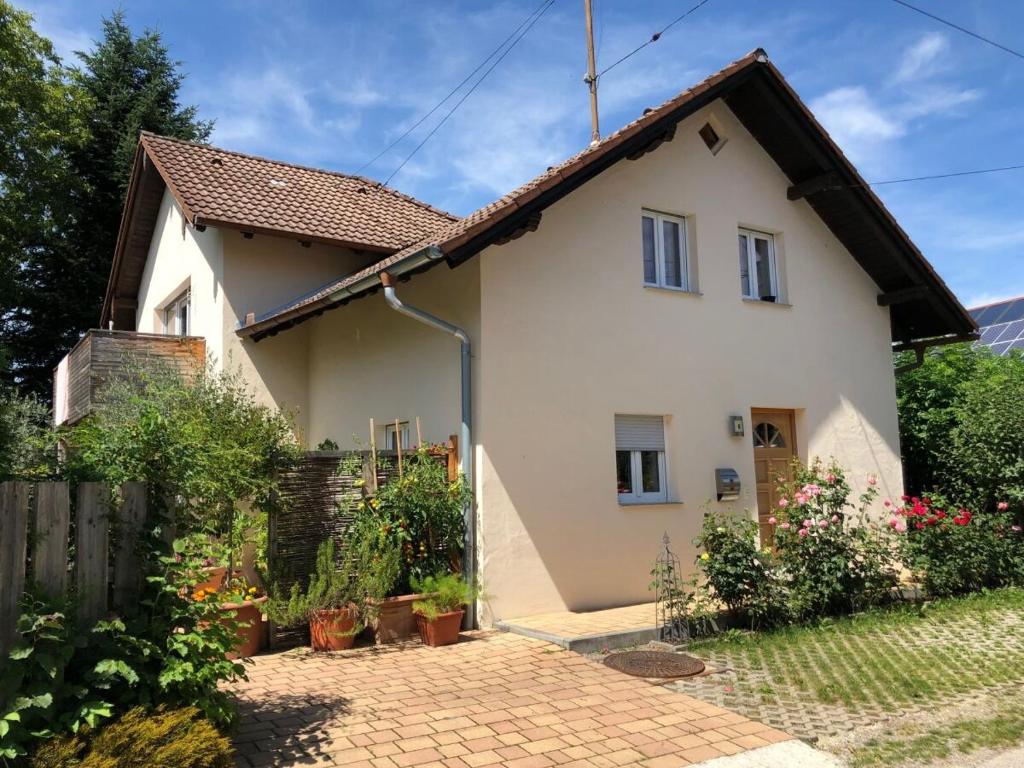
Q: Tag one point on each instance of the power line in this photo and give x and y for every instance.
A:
(654, 38)
(957, 27)
(452, 92)
(546, 5)
(939, 176)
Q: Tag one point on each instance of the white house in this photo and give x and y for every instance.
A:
(711, 287)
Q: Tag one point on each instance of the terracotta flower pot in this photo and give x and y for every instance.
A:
(395, 620)
(214, 579)
(443, 630)
(333, 630)
(250, 637)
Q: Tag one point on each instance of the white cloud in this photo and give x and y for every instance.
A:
(49, 20)
(851, 115)
(920, 59)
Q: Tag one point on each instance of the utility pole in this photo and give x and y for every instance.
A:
(591, 78)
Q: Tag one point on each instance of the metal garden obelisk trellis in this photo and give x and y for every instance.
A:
(670, 598)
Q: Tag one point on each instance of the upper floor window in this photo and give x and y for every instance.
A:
(759, 277)
(178, 315)
(664, 247)
(396, 435)
(640, 459)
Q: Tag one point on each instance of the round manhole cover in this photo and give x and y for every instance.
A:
(655, 664)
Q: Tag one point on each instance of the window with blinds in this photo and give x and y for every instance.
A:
(640, 459)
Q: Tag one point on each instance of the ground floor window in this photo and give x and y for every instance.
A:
(396, 435)
(640, 459)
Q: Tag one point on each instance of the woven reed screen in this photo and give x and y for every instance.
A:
(319, 501)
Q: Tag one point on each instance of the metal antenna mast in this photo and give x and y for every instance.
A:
(591, 78)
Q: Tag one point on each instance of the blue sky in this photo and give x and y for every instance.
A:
(330, 84)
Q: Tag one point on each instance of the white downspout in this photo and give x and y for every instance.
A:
(465, 437)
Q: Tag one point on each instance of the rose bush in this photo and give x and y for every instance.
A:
(832, 564)
(951, 550)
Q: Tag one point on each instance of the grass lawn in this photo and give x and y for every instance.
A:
(910, 685)
(901, 658)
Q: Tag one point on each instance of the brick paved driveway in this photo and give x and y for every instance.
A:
(493, 699)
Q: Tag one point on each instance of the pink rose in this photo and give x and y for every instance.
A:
(830, 478)
(808, 523)
(772, 521)
(835, 518)
(823, 524)
(785, 526)
(803, 531)
(783, 502)
(872, 480)
(901, 526)
(1002, 506)
(887, 503)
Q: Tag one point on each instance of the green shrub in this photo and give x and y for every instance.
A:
(737, 573)
(953, 551)
(442, 593)
(962, 425)
(421, 513)
(169, 738)
(27, 439)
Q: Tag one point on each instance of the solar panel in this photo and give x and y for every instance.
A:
(1001, 325)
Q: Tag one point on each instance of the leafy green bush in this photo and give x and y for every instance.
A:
(422, 514)
(169, 738)
(956, 552)
(442, 593)
(962, 425)
(831, 565)
(737, 573)
(27, 439)
(202, 444)
(62, 677)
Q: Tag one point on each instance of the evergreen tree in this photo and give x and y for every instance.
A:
(67, 142)
(39, 197)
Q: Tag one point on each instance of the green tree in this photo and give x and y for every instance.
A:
(39, 196)
(962, 425)
(130, 84)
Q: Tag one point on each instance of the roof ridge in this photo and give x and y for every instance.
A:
(996, 303)
(299, 166)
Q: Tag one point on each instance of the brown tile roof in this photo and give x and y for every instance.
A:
(228, 189)
(459, 231)
(462, 238)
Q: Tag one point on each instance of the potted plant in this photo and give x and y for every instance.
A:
(242, 606)
(440, 610)
(328, 603)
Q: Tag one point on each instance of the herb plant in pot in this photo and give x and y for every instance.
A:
(440, 609)
(328, 603)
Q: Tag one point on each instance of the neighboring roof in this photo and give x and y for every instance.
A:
(921, 306)
(1001, 325)
(217, 187)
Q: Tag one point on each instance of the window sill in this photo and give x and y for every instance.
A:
(669, 503)
(749, 300)
(672, 289)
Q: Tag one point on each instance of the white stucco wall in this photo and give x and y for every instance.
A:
(571, 337)
(180, 257)
(368, 361)
(262, 273)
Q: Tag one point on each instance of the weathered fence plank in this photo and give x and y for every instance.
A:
(91, 550)
(50, 540)
(128, 565)
(14, 499)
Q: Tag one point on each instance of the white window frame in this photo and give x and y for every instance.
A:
(638, 495)
(773, 265)
(403, 434)
(172, 314)
(659, 250)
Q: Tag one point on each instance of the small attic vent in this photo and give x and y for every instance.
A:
(278, 183)
(712, 138)
(217, 162)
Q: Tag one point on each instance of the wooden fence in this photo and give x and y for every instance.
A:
(35, 522)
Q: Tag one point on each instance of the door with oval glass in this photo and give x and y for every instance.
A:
(774, 436)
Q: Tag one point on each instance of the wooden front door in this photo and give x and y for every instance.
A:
(774, 437)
